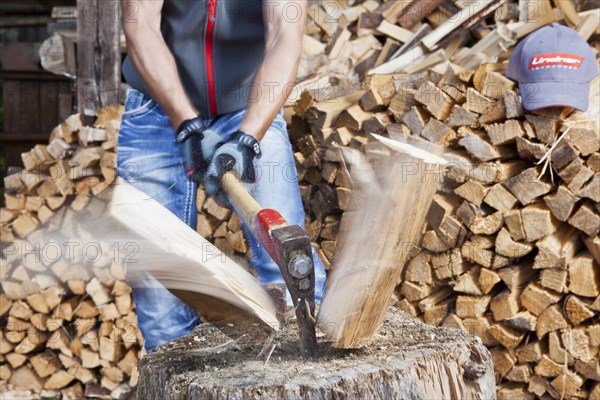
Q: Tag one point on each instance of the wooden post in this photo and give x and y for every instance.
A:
(98, 56)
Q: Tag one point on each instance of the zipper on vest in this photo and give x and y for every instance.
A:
(212, 12)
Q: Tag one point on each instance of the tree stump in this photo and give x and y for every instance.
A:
(407, 360)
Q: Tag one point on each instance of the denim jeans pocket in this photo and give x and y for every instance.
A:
(138, 104)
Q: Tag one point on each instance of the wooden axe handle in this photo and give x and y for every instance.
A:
(239, 197)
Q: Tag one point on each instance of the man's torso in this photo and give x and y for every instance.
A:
(217, 46)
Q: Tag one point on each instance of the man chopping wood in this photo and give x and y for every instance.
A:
(208, 81)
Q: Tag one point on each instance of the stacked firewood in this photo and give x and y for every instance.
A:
(510, 250)
(507, 253)
(512, 255)
(221, 227)
(67, 327)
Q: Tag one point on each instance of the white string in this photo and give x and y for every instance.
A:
(546, 159)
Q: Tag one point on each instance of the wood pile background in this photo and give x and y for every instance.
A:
(509, 257)
(66, 328)
(511, 250)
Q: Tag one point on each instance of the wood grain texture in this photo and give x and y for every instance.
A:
(374, 254)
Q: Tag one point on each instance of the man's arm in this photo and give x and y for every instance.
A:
(153, 60)
(274, 80)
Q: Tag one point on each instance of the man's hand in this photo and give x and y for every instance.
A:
(236, 155)
(199, 145)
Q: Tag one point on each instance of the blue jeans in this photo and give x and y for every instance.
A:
(150, 160)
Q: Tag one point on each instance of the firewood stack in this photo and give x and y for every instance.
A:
(66, 328)
(510, 250)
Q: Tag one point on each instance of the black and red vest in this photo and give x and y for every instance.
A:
(218, 46)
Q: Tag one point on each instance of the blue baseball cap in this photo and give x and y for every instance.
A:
(554, 67)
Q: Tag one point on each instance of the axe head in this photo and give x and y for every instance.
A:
(290, 248)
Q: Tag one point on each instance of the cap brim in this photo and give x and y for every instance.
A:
(536, 95)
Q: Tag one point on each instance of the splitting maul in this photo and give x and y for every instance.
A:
(290, 248)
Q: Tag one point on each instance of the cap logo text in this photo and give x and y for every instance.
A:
(555, 60)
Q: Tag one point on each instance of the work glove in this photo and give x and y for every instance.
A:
(198, 146)
(236, 155)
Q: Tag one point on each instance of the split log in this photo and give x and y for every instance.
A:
(358, 320)
(438, 103)
(123, 209)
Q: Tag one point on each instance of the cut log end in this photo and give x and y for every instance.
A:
(408, 360)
